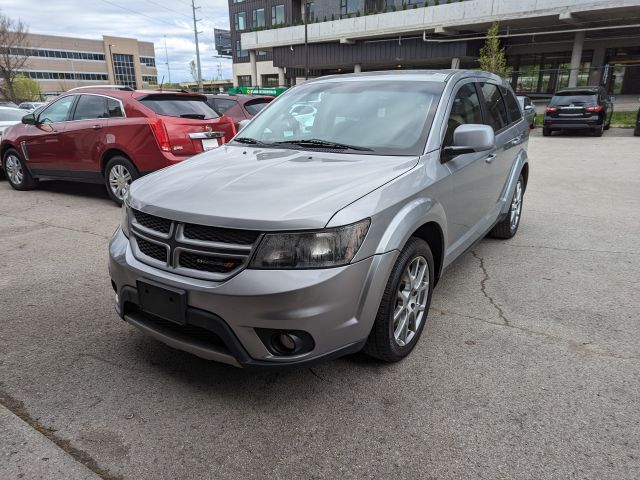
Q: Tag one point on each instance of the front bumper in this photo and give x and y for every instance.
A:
(336, 306)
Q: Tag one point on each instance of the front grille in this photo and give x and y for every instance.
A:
(152, 222)
(221, 235)
(199, 251)
(207, 263)
(157, 252)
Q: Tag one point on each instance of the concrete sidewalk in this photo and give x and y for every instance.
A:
(28, 455)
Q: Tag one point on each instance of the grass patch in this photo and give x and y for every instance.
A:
(618, 119)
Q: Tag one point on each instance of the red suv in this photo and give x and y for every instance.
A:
(238, 107)
(110, 135)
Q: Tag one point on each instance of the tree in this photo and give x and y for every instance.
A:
(492, 57)
(25, 89)
(13, 43)
(194, 70)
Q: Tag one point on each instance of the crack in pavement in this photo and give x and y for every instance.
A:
(17, 408)
(571, 249)
(483, 288)
(45, 224)
(577, 346)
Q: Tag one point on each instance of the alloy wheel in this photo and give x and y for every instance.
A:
(411, 301)
(119, 180)
(516, 206)
(14, 170)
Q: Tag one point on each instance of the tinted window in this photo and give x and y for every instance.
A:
(496, 110)
(222, 105)
(465, 109)
(255, 106)
(10, 115)
(57, 111)
(512, 105)
(90, 106)
(184, 107)
(568, 99)
(115, 108)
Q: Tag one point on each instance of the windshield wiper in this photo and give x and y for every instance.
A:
(197, 116)
(315, 142)
(249, 141)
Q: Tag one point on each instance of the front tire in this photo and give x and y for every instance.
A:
(405, 304)
(508, 227)
(546, 132)
(118, 175)
(16, 171)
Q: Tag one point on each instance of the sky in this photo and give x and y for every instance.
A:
(145, 20)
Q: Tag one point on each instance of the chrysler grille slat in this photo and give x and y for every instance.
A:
(199, 251)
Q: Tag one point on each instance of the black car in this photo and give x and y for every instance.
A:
(578, 109)
(636, 132)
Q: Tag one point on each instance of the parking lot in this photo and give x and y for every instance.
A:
(528, 367)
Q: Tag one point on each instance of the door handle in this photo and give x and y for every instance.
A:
(490, 158)
(96, 127)
(517, 140)
(54, 132)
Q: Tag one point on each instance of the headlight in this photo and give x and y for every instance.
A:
(332, 247)
(124, 218)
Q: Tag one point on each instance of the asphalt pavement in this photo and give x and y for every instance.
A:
(528, 368)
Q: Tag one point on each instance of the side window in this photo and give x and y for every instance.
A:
(114, 108)
(57, 111)
(465, 109)
(90, 107)
(221, 105)
(512, 105)
(496, 109)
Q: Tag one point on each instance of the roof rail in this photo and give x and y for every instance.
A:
(104, 87)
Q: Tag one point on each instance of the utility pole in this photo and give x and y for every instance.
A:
(195, 32)
(166, 56)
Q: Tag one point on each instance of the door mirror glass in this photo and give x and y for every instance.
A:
(29, 119)
(471, 138)
(529, 107)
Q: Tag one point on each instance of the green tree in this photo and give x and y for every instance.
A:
(13, 41)
(25, 89)
(492, 58)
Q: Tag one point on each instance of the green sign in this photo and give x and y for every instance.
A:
(273, 92)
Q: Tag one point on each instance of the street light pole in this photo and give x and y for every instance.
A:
(195, 32)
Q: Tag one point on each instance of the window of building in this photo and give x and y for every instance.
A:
(150, 79)
(42, 52)
(261, 53)
(465, 109)
(311, 15)
(240, 21)
(277, 15)
(148, 61)
(348, 7)
(270, 80)
(124, 70)
(258, 18)
(90, 107)
(239, 51)
(495, 107)
(244, 80)
(67, 76)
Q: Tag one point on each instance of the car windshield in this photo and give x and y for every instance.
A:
(11, 115)
(179, 106)
(372, 116)
(571, 98)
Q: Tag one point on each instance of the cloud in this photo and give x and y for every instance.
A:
(145, 20)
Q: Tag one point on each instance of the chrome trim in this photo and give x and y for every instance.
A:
(221, 245)
(124, 114)
(23, 147)
(150, 260)
(150, 231)
(208, 135)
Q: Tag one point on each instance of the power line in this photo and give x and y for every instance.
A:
(169, 9)
(141, 14)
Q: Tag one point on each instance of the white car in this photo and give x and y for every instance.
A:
(10, 116)
(31, 106)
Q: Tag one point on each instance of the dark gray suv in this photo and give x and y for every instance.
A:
(307, 239)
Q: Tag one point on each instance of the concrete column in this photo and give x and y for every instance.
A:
(254, 68)
(576, 57)
(455, 63)
(597, 65)
(357, 68)
(281, 80)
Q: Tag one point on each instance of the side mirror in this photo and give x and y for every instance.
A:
(29, 119)
(243, 123)
(529, 107)
(471, 138)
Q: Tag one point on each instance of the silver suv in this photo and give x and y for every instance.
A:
(304, 240)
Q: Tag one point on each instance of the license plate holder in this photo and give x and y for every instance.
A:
(209, 143)
(163, 301)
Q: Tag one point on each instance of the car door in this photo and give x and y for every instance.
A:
(467, 201)
(85, 135)
(46, 146)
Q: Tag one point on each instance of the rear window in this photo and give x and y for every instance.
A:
(255, 106)
(11, 115)
(569, 98)
(178, 106)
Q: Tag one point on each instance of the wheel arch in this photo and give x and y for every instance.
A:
(109, 154)
(431, 232)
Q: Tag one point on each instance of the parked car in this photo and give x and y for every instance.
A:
(31, 106)
(238, 107)
(579, 108)
(287, 247)
(110, 135)
(9, 116)
(6, 103)
(636, 131)
(529, 110)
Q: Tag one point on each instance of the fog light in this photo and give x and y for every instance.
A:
(287, 341)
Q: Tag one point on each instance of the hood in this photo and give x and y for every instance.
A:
(263, 189)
